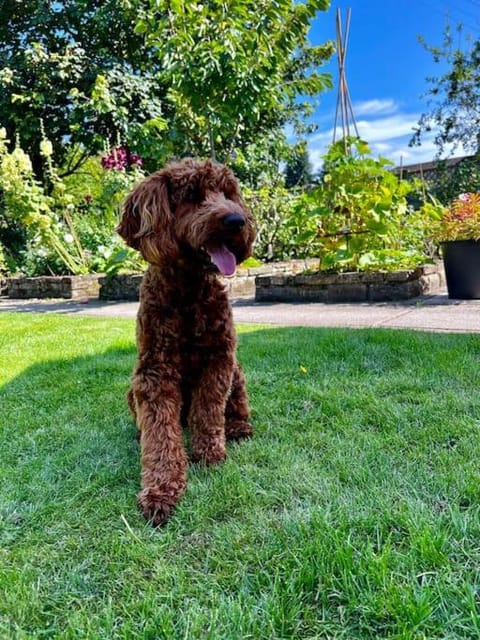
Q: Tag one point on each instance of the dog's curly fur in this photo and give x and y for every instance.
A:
(189, 221)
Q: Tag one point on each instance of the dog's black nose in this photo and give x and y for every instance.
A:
(233, 221)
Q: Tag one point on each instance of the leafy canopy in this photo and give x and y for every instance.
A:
(234, 71)
(160, 77)
(298, 171)
(454, 97)
(78, 66)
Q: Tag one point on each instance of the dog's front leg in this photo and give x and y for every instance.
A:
(237, 425)
(207, 410)
(164, 461)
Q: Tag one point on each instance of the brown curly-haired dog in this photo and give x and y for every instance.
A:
(190, 223)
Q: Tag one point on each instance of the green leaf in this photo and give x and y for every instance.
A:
(362, 147)
(366, 259)
(305, 236)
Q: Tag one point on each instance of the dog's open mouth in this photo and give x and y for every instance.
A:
(223, 259)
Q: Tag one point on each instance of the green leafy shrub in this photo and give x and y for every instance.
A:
(272, 205)
(448, 181)
(97, 196)
(358, 217)
(66, 226)
(25, 205)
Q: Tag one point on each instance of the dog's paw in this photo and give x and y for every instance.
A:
(238, 430)
(156, 505)
(210, 455)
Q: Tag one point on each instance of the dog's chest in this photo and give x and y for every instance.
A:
(203, 324)
(196, 324)
(206, 316)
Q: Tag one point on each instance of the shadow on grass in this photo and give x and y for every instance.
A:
(68, 444)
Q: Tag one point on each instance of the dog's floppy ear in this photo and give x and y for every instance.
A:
(147, 220)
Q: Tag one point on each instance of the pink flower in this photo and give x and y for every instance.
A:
(120, 159)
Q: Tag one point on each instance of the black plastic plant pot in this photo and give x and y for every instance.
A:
(462, 268)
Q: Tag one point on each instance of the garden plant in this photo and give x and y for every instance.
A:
(358, 217)
(65, 225)
(457, 229)
(178, 79)
(459, 221)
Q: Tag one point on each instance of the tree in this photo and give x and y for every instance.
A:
(78, 67)
(454, 97)
(298, 171)
(235, 72)
(160, 77)
(448, 182)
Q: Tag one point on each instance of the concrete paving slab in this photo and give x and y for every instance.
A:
(314, 314)
(436, 313)
(429, 313)
(71, 307)
(462, 318)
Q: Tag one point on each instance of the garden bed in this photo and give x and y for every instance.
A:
(274, 282)
(374, 286)
(70, 287)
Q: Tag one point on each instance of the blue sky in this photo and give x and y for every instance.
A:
(386, 69)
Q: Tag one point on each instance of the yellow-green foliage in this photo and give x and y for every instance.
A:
(68, 224)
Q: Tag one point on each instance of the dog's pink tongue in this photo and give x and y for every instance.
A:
(224, 260)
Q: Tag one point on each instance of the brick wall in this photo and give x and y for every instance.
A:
(279, 281)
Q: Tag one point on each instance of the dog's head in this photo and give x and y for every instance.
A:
(189, 205)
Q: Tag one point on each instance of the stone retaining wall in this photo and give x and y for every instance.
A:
(123, 286)
(72, 287)
(126, 286)
(364, 286)
(280, 281)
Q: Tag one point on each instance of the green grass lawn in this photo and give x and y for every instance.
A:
(352, 513)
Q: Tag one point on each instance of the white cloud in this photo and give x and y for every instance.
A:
(371, 107)
(388, 134)
(382, 147)
(316, 160)
(376, 130)
(395, 126)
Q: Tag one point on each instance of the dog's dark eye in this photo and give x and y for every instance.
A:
(194, 195)
(231, 193)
